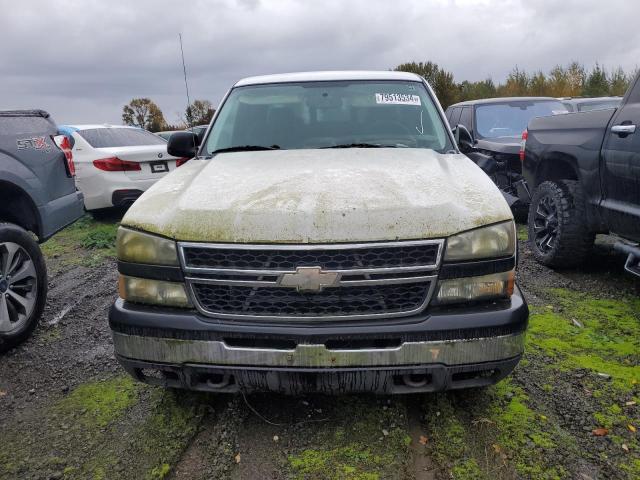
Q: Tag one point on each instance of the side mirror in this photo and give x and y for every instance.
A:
(463, 137)
(183, 145)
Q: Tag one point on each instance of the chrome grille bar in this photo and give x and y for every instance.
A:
(411, 263)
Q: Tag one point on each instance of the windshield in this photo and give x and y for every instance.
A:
(329, 114)
(510, 119)
(120, 137)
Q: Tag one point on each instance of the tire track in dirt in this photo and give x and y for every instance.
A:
(421, 467)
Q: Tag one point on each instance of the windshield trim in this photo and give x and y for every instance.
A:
(201, 153)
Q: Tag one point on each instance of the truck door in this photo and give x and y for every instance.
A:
(620, 171)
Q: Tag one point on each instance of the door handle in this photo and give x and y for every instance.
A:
(623, 129)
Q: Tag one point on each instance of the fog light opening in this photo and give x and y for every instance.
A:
(416, 380)
(218, 380)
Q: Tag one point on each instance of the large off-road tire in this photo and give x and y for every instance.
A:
(23, 285)
(557, 222)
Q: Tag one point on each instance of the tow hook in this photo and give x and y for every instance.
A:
(633, 260)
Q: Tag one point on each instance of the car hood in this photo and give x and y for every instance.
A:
(510, 145)
(320, 196)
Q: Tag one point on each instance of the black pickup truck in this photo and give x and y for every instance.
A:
(583, 170)
(38, 197)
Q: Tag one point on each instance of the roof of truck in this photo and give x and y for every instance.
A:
(328, 76)
(589, 99)
(483, 101)
(24, 113)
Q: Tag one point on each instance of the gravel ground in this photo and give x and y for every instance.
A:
(68, 411)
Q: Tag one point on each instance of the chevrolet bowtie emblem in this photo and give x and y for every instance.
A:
(309, 279)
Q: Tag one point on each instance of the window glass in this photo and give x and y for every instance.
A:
(326, 114)
(465, 118)
(120, 137)
(634, 96)
(510, 119)
(455, 116)
(601, 105)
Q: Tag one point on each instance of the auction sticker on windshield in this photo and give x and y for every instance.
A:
(397, 99)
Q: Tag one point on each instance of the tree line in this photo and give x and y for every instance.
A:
(145, 113)
(573, 80)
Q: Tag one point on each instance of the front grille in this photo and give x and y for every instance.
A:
(331, 302)
(369, 280)
(414, 255)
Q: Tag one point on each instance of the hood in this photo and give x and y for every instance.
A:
(510, 145)
(320, 196)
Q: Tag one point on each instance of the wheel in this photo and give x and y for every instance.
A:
(23, 285)
(557, 223)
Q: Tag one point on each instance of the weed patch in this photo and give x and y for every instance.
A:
(600, 335)
(370, 444)
(101, 402)
(87, 242)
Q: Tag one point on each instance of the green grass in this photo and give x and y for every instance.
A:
(504, 432)
(601, 335)
(86, 242)
(100, 403)
(523, 233)
(353, 446)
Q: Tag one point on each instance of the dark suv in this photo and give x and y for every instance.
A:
(492, 136)
(38, 197)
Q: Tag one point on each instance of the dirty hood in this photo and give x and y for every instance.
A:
(320, 196)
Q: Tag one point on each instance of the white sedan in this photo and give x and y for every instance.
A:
(116, 164)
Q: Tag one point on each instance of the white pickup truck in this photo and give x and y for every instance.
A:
(327, 236)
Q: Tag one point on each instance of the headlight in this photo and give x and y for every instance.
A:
(485, 287)
(487, 242)
(155, 292)
(138, 247)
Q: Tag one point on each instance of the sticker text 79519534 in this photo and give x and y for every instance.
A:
(397, 99)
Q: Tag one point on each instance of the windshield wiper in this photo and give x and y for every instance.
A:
(245, 148)
(355, 145)
(361, 145)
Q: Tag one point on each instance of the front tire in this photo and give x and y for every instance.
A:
(23, 285)
(557, 224)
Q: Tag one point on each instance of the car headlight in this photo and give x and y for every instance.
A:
(138, 247)
(466, 289)
(494, 241)
(154, 292)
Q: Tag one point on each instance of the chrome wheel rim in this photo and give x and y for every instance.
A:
(545, 224)
(18, 287)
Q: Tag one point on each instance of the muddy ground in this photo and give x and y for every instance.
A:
(570, 410)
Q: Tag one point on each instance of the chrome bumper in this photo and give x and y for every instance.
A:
(447, 352)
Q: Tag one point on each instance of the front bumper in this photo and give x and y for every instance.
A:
(445, 349)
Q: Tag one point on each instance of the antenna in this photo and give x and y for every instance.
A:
(186, 86)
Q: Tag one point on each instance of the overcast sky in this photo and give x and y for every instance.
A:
(82, 60)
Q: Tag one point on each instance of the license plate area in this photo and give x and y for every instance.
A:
(159, 167)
